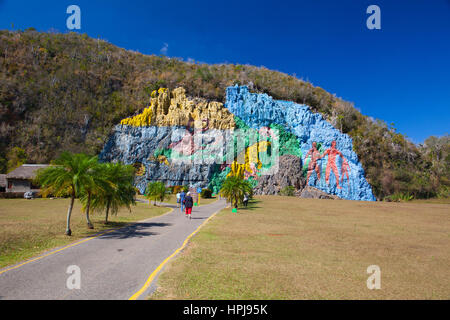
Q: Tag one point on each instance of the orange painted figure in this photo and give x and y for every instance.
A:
(313, 165)
(345, 170)
(332, 152)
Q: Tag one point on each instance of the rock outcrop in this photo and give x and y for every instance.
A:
(314, 193)
(172, 108)
(150, 146)
(289, 174)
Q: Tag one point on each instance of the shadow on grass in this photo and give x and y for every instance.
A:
(136, 230)
(252, 205)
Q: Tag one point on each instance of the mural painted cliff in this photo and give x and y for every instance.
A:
(328, 159)
(184, 141)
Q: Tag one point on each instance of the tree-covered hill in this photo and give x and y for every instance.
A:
(66, 91)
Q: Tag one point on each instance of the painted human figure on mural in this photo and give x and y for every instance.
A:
(313, 165)
(345, 169)
(332, 152)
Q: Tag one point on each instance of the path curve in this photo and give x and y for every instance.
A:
(113, 266)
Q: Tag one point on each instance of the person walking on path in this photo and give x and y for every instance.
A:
(188, 202)
(178, 199)
(182, 196)
(245, 200)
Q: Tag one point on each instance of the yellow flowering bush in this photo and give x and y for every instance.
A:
(140, 120)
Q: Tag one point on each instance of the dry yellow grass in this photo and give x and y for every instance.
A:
(29, 227)
(290, 248)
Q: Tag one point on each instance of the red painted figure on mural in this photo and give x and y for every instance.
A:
(332, 152)
(345, 169)
(313, 165)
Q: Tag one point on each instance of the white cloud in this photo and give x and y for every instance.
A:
(164, 49)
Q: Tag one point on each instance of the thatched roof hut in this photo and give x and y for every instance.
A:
(25, 171)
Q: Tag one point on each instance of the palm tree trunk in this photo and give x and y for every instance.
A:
(107, 211)
(89, 224)
(69, 213)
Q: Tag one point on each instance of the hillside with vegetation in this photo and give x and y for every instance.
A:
(66, 91)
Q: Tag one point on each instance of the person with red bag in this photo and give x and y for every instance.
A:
(188, 203)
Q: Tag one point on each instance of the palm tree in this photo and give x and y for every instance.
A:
(156, 190)
(119, 192)
(234, 188)
(69, 174)
(96, 183)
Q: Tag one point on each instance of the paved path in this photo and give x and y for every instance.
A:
(114, 265)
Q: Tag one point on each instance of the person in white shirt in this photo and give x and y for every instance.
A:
(178, 199)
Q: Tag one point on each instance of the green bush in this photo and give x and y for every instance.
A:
(156, 191)
(399, 197)
(176, 189)
(206, 193)
(287, 191)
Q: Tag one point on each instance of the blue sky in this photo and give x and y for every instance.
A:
(399, 74)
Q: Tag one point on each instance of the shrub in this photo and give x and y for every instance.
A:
(176, 189)
(156, 191)
(206, 193)
(234, 188)
(287, 191)
(398, 196)
(11, 195)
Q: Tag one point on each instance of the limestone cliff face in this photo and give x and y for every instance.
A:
(160, 139)
(148, 146)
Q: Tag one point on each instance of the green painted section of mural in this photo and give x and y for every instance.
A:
(289, 143)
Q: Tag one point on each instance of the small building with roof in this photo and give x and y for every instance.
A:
(21, 178)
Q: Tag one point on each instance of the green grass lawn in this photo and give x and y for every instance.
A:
(29, 227)
(291, 248)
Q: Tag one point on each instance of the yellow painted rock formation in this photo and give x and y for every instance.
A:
(173, 108)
